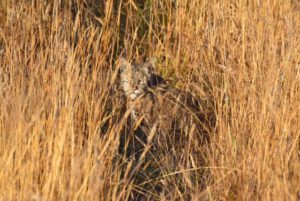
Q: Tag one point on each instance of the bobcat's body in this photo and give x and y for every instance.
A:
(179, 120)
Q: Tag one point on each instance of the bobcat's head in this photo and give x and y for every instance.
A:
(135, 79)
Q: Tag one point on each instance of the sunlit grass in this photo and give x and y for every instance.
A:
(61, 115)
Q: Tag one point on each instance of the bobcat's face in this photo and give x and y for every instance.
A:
(135, 78)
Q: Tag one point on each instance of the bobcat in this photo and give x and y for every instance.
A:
(176, 118)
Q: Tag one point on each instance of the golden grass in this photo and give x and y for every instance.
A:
(57, 77)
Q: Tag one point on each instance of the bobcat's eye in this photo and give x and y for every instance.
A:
(121, 69)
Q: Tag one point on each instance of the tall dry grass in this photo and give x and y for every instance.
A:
(61, 116)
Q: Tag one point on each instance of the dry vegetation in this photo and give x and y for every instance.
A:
(61, 116)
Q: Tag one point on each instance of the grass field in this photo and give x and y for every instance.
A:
(57, 72)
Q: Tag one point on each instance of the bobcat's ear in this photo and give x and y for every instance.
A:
(122, 64)
(150, 66)
(152, 61)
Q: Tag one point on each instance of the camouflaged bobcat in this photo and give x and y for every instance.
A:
(180, 121)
